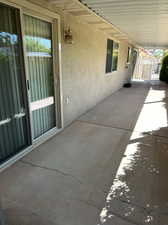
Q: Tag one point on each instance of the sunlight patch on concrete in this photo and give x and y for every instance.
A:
(153, 117)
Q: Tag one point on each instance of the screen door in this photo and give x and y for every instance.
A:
(38, 42)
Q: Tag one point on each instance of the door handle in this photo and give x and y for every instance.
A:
(19, 115)
(3, 122)
(28, 85)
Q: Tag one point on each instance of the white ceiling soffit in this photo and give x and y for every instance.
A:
(145, 21)
(87, 15)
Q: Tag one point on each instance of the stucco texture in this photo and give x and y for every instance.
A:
(83, 69)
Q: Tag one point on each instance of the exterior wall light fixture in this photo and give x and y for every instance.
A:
(68, 38)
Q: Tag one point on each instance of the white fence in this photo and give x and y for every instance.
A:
(146, 68)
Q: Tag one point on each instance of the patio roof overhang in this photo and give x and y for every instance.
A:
(88, 15)
(142, 23)
(145, 21)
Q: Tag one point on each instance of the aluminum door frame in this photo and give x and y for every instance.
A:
(30, 8)
(22, 78)
(56, 68)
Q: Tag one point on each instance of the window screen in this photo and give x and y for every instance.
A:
(115, 56)
(109, 55)
(112, 56)
(129, 55)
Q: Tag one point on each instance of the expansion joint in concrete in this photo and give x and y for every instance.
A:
(51, 169)
(102, 125)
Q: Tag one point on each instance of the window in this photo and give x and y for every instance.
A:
(112, 56)
(129, 55)
(115, 56)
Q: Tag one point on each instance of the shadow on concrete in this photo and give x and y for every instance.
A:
(138, 194)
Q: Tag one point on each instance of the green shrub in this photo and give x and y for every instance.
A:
(164, 70)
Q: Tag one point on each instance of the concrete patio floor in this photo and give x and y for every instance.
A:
(108, 168)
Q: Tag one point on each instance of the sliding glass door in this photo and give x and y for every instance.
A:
(38, 40)
(14, 120)
(27, 94)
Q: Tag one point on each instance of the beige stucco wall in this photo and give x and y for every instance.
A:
(83, 65)
(84, 82)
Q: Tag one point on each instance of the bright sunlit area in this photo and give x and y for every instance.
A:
(131, 197)
(148, 64)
